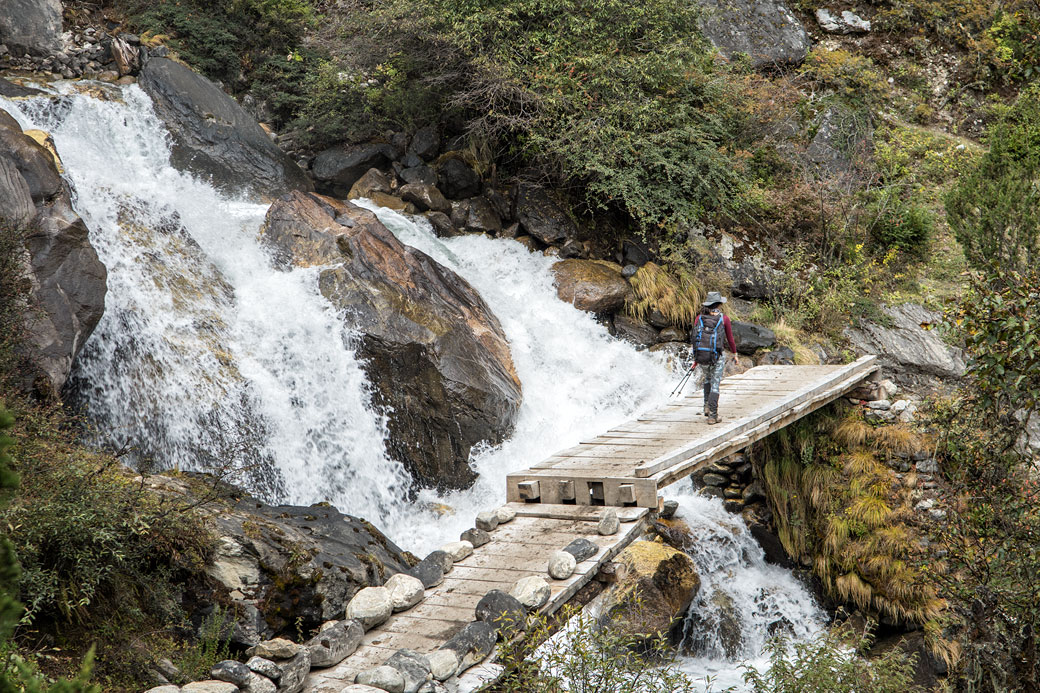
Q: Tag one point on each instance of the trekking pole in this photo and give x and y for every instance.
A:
(682, 383)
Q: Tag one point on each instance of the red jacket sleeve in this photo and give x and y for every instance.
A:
(729, 334)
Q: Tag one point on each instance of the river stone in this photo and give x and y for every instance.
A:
(595, 286)
(487, 520)
(750, 337)
(294, 671)
(609, 523)
(504, 514)
(765, 30)
(34, 161)
(425, 197)
(714, 480)
(414, 667)
(582, 549)
(669, 509)
(264, 667)
(31, 26)
(419, 174)
(338, 168)
(426, 142)
(382, 677)
(436, 357)
(372, 182)
(336, 641)
(442, 558)
(259, 684)
(405, 591)
(473, 643)
(213, 136)
(501, 610)
(541, 216)
(458, 550)
(371, 606)
(231, 671)
(457, 180)
(532, 591)
(477, 537)
(209, 687)
(278, 648)
(429, 572)
(635, 331)
(443, 664)
(475, 215)
(561, 565)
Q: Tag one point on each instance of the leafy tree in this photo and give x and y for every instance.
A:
(995, 211)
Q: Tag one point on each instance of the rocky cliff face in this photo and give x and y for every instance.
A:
(66, 279)
(436, 356)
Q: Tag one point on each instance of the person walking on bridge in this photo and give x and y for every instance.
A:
(708, 349)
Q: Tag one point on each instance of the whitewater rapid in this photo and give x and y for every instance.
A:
(207, 357)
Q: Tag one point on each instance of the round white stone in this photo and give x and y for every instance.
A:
(405, 591)
(443, 664)
(532, 591)
(458, 550)
(561, 565)
(609, 523)
(504, 514)
(371, 606)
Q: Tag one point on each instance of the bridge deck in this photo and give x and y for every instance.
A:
(627, 465)
(555, 499)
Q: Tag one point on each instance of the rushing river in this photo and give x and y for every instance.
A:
(208, 357)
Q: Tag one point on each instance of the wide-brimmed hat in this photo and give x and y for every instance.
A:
(714, 297)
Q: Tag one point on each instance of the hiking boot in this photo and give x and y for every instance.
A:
(713, 419)
(706, 411)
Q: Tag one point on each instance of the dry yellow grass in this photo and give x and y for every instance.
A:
(676, 296)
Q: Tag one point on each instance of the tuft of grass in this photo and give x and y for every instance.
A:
(676, 295)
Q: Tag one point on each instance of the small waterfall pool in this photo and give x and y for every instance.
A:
(208, 357)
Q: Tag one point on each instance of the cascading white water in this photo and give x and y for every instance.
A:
(207, 356)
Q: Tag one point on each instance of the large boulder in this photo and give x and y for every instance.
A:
(457, 180)
(543, 217)
(436, 356)
(215, 137)
(297, 567)
(751, 337)
(656, 585)
(337, 169)
(592, 285)
(31, 26)
(907, 348)
(765, 30)
(66, 280)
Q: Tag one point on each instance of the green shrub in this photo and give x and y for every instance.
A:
(995, 211)
(902, 225)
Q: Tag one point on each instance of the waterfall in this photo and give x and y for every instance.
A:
(207, 357)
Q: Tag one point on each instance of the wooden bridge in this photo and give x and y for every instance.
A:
(556, 501)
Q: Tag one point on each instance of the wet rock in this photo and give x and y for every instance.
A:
(904, 345)
(541, 216)
(34, 162)
(750, 337)
(414, 667)
(15, 91)
(338, 168)
(609, 523)
(595, 286)
(373, 181)
(371, 606)
(385, 678)
(213, 136)
(502, 611)
(473, 643)
(582, 549)
(672, 334)
(475, 215)
(458, 550)
(669, 509)
(405, 591)
(426, 142)
(336, 641)
(477, 537)
(457, 180)
(765, 30)
(31, 26)
(16, 203)
(425, 197)
(727, 621)
(442, 226)
(443, 664)
(635, 331)
(532, 591)
(436, 357)
(659, 582)
(561, 565)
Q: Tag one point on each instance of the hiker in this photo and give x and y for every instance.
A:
(708, 350)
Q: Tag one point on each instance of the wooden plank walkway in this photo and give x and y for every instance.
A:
(560, 499)
(518, 549)
(630, 463)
